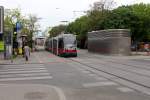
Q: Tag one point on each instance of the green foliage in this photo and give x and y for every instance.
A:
(134, 17)
(10, 15)
(57, 30)
(94, 20)
(29, 23)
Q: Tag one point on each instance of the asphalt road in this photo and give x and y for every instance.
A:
(87, 77)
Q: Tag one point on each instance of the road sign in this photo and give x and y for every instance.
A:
(18, 26)
(1, 19)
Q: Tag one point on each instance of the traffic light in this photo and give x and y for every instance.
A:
(14, 34)
(15, 31)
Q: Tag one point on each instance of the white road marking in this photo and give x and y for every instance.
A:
(13, 72)
(26, 78)
(21, 69)
(20, 66)
(26, 74)
(21, 72)
(108, 83)
(93, 75)
(87, 72)
(101, 79)
(125, 89)
(60, 93)
(146, 59)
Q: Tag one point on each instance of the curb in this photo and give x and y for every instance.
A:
(30, 92)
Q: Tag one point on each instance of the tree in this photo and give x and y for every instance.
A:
(80, 28)
(11, 16)
(31, 27)
(134, 17)
(142, 31)
(102, 5)
(29, 23)
(57, 30)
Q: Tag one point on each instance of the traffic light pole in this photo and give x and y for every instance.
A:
(11, 47)
(2, 25)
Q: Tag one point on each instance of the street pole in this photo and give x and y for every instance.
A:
(64, 21)
(11, 47)
(2, 26)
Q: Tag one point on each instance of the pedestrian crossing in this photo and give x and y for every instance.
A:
(24, 72)
(100, 80)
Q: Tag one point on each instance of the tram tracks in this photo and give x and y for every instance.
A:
(139, 85)
(137, 69)
(146, 66)
(127, 68)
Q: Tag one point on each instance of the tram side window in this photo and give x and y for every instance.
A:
(75, 42)
(61, 43)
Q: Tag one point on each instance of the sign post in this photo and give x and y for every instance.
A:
(1, 20)
(11, 47)
(2, 47)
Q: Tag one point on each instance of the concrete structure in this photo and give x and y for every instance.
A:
(111, 42)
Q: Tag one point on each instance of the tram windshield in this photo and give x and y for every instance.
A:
(70, 40)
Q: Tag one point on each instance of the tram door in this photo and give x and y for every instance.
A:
(55, 46)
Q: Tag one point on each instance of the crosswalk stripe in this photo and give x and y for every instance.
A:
(21, 69)
(91, 74)
(23, 75)
(26, 78)
(87, 72)
(101, 78)
(18, 73)
(30, 71)
(15, 67)
(108, 83)
(125, 89)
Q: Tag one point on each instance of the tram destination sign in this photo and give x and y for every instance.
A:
(1, 19)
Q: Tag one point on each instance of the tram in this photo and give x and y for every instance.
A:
(39, 43)
(62, 45)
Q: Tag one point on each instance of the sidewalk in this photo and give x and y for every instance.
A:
(30, 92)
(2, 61)
(19, 60)
(37, 57)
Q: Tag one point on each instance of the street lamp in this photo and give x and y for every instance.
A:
(65, 21)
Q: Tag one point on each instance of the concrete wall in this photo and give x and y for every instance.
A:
(111, 42)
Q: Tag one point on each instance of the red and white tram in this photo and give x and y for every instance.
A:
(62, 45)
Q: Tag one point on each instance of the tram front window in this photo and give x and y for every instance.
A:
(69, 40)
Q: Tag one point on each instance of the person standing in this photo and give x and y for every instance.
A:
(146, 47)
(26, 52)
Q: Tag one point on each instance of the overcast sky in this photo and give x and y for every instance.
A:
(54, 11)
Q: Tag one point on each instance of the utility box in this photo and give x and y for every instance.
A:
(110, 42)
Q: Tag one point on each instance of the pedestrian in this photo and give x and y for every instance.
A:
(146, 47)
(26, 52)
